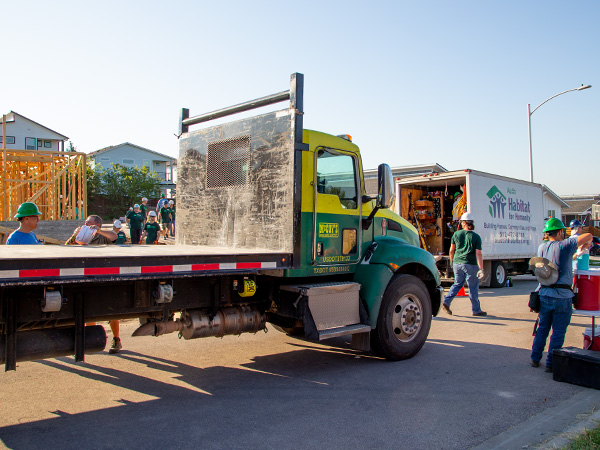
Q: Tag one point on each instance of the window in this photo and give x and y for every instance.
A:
(104, 159)
(336, 176)
(30, 143)
(47, 144)
(40, 143)
(551, 213)
(128, 162)
(9, 140)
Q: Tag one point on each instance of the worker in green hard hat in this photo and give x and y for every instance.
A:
(28, 216)
(554, 270)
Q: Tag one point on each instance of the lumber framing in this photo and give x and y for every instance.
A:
(56, 181)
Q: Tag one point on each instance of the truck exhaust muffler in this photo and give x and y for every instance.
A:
(198, 323)
(54, 342)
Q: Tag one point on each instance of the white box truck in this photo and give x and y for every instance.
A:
(508, 213)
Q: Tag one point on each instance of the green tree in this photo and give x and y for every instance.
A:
(71, 147)
(113, 190)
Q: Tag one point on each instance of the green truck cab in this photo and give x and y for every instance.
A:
(357, 267)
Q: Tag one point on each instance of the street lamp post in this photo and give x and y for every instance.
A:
(529, 113)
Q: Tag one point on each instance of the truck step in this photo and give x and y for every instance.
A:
(344, 331)
(332, 305)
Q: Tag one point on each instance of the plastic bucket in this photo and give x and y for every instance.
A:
(587, 283)
(583, 261)
(587, 339)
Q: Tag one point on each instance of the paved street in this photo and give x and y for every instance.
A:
(471, 382)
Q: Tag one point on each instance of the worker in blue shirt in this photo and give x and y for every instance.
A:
(28, 216)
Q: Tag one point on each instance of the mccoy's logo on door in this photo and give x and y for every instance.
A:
(329, 230)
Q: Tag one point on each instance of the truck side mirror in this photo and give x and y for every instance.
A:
(385, 186)
(385, 193)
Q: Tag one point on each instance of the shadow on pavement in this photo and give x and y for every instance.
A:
(452, 395)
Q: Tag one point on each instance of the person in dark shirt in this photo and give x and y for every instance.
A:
(151, 229)
(121, 236)
(101, 237)
(467, 263)
(136, 219)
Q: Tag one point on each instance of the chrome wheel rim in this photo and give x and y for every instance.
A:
(407, 318)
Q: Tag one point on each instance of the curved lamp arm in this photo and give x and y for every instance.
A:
(580, 88)
(530, 112)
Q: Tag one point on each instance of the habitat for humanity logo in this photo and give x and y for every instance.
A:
(497, 202)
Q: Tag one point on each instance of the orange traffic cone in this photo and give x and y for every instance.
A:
(461, 293)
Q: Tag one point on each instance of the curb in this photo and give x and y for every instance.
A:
(552, 428)
(571, 433)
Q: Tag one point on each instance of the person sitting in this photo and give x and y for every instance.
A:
(101, 237)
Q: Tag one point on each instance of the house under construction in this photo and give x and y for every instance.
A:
(36, 168)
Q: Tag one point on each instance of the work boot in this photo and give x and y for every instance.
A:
(116, 346)
(535, 363)
(480, 313)
(447, 308)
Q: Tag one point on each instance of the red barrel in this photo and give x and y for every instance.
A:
(587, 284)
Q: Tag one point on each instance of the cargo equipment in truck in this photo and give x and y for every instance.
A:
(273, 225)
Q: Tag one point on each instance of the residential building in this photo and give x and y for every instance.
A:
(585, 208)
(25, 134)
(131, 155)
(370, 175)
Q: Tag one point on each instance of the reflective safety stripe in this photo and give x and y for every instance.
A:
(133, 270)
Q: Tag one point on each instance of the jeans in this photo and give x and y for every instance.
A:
(555, 313)
(462, 272)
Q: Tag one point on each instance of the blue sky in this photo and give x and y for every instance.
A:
(422, 82)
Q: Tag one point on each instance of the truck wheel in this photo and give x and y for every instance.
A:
(404, 319)
(498, 274)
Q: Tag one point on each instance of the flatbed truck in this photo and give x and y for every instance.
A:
(273, 226)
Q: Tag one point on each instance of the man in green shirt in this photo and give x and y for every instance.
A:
(136, 219)
(165, 219)
(467, 263)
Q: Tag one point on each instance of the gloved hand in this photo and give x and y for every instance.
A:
(480, 274)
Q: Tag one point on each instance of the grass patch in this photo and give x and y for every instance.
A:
(590, 440)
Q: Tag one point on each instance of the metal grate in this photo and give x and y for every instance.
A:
(228, 162)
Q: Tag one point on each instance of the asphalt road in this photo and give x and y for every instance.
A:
(471, 385)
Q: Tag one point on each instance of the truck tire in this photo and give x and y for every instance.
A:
(404, 319)
(498, 275)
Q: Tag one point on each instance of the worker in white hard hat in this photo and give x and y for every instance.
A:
(121, 236)
(467, 263)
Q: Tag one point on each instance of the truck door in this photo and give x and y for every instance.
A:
(337, 209)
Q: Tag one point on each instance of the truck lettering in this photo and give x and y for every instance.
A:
(330, 230)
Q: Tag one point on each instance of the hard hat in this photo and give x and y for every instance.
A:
(136, 206)
(144, 199)
(27, 209)
(162, 195)
(544, 270)
(152, 213)
(171, 202)
(117, 224)
(467, 217)
(553, 225)
(575, 223)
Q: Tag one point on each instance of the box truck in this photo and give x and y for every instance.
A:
(508, 213)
